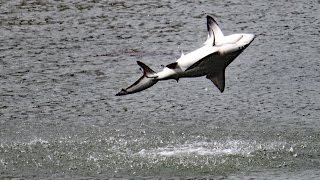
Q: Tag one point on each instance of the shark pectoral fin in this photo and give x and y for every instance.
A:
(218, 80)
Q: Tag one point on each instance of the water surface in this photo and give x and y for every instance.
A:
(62, 62)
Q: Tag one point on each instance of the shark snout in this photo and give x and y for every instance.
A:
(245, 41)
(248, 38)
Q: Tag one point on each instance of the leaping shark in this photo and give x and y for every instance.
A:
(210, 60)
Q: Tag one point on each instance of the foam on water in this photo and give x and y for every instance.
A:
(230, 147)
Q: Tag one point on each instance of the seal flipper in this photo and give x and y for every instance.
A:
(218, 80)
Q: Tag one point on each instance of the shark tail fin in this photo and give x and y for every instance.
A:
(147, 80)
(147, 71)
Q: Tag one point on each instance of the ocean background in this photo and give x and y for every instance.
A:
(62, 62)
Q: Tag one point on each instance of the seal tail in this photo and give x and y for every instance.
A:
(147, 80)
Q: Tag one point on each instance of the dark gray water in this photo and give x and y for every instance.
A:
(62, 62)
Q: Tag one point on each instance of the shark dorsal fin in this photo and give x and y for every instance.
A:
(213, 27)
(172, 65)
(218, 79)
(211, 37)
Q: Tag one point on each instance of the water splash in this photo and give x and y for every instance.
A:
(229, 147)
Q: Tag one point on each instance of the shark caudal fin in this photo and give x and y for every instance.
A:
(147, 71)
(215, 35)
(147, 80)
